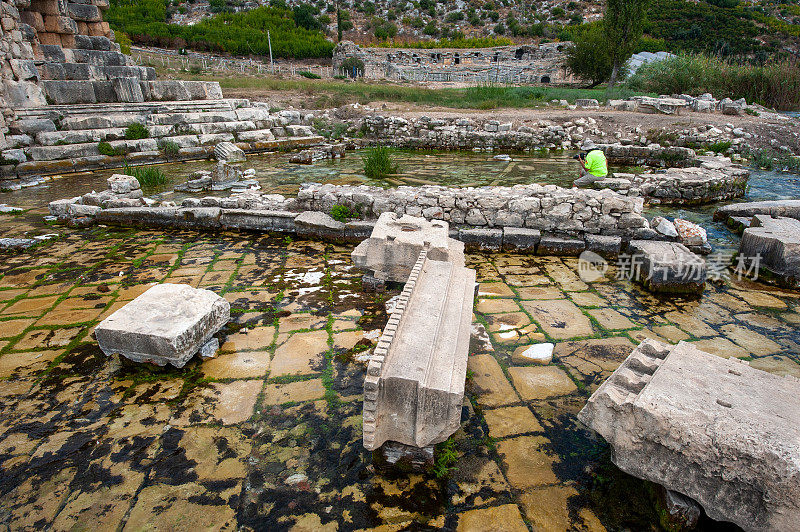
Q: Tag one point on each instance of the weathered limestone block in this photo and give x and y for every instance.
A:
(715, 430)
(319, 224)
(396, 242)
(168, 323)
(788, 208)
(84, 12)
(67, 92)
(666, 267)
(127, 90)
(773, 245)
(230, 152)
(520, 239)
(22, 94)
(414, 387)
(122, 184)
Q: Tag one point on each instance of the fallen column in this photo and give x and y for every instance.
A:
(169, 323)
(713, 429)
(414, 388)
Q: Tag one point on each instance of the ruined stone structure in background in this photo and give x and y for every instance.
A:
(526, 63)
(713, 429)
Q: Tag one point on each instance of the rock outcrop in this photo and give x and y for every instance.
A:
(712, 429)
(773, 245)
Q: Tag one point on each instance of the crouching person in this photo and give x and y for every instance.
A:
(593, 165)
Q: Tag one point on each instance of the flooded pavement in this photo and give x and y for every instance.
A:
(267, 436)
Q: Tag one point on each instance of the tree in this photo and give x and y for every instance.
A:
(589, 56)
(623, 21)
(305, 17)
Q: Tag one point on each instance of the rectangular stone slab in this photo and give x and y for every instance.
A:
(667, 267)
(414, 387)
(168, 323)
(713, 429)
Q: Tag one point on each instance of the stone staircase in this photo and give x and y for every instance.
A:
(63, 138)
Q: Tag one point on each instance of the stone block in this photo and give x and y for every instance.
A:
(394, 246)
(479, 238)
(229, 152)
(127, 90)
(772, 244)
(667, 267)
(84, 12)
(414, 388)
(787, 208)
(24, 69)
(51, 70)
(77, 71)
(520, 239)
(68, 92)
(32, 126)
(122, 184)
(712, 429)
(23, 94)
(258, 220)
(168, 323)
(560, 246)
(319, 225)
(606, 246)
(60, 24)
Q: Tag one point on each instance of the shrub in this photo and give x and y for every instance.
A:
(774, 84)
(309, 75)
(589, 58)
(342, 213)
(721, 146)
(136, 131)
(148, 177)
(105, 149)
(170, 148)
(378, 163)
(242, 33)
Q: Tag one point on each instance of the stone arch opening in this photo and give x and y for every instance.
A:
(545, 79)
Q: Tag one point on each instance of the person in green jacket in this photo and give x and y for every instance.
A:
(593, 165)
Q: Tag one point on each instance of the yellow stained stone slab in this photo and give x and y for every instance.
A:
(496, 518)
(300, 391)
(489, 382)
(540, 382)
(526, 462)
(511, 421)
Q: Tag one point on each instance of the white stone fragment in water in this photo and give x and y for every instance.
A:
(535, 354)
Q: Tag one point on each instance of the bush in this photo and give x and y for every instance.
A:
(589, 58)
(309, 75)
(378, 163)
(170, 148)
(136, 131)
(721, 146)
(105, 149)
(342, 213)
(147, 177)
(775, 84)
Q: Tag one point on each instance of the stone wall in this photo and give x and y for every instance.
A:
(542, 207)
(491, 135)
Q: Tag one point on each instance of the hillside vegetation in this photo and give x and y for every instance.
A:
(243, 33)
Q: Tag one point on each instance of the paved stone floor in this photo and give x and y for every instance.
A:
(268, 434)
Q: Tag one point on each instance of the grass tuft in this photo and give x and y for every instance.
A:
(378, 163)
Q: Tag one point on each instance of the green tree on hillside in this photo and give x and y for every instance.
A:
(623, 21)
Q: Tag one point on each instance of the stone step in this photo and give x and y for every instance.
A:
(127, 89)
(82, 71)
(53, 138)
(192, 118)
(143, 107)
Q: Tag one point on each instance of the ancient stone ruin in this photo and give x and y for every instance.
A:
(543, 63)
(67, 88)
(394, 246)
(414, 386)
(168, 324)
(710, 428)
